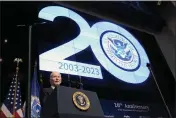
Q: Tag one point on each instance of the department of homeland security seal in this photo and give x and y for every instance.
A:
(120, 50)
(36, 107)
(81, 101)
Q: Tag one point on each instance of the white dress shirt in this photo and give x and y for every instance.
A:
(53, 87)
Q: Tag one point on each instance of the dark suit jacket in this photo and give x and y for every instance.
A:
(45, 92)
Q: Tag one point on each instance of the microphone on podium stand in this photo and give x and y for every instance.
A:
(80, 83)
(150, 68)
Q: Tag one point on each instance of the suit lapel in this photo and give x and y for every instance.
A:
(50, 90)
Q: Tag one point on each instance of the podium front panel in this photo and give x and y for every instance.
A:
(66, 107)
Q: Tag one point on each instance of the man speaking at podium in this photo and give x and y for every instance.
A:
(57, 104)
(55, 80)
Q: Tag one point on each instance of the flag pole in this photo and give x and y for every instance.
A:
(0, 68)
(17, 60)
(35, 68)
(28, 100)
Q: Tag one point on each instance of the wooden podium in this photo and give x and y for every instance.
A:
(61, 104)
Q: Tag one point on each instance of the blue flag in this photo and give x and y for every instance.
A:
(35, 102)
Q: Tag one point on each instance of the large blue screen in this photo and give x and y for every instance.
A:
(116, 50)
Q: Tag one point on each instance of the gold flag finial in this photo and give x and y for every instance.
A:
(17, 60)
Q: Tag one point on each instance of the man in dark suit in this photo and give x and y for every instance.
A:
(55, 80)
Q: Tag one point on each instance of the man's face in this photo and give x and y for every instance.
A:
(55, 79)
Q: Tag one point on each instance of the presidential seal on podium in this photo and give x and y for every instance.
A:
(81, 101)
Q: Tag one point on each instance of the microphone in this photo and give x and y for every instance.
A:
(80, 82)
(69, 81)
(157, 85)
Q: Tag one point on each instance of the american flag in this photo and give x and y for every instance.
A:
(12, 106)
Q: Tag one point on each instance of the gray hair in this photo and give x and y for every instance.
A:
(54, 72)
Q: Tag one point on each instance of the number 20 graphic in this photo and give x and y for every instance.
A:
(115, 48)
